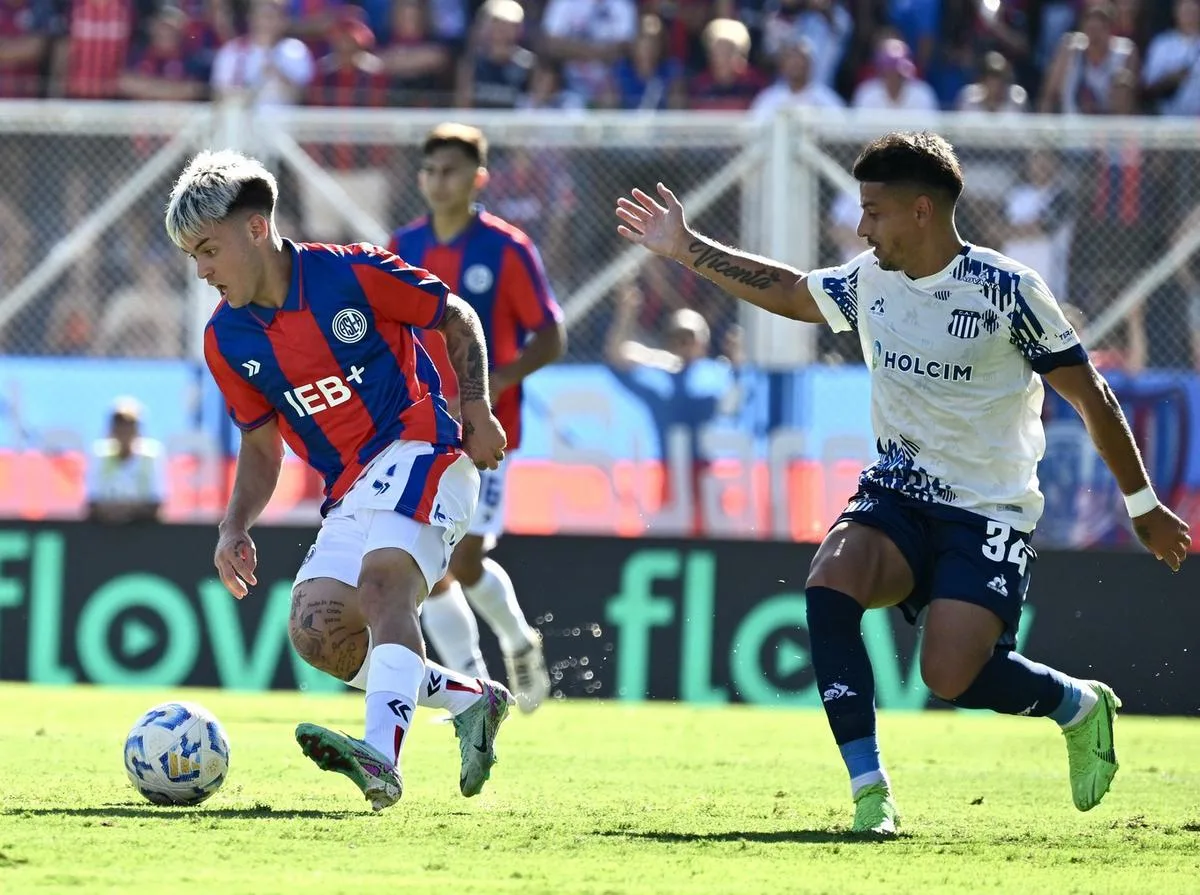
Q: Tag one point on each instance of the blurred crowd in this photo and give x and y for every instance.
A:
(1070, 56)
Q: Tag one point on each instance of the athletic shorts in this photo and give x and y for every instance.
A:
(954, 554)
(368, 517)
(488, 521)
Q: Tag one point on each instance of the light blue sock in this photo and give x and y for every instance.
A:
(862, 762)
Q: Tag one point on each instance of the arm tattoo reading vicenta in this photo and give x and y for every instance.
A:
(705, 257)
(467, 349)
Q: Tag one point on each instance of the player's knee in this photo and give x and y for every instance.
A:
(466, 563)
(390, 585)
(307, 629)
(946, 677)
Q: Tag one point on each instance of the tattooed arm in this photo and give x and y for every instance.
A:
(771, 285)
(483, 439)
(260, 459)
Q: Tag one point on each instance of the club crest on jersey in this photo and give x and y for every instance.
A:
(349, 325)
(964, 324)
(477, 278)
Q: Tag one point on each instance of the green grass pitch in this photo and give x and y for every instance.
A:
(592, 797)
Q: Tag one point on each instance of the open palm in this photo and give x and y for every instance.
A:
(659, 228)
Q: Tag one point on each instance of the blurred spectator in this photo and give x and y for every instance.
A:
(995, 91)
(312, 21)
(917, 23)
(969, 32)
(1081, 76)
(683, 24)
(144, 318)
(795, 87)
(126, 477)
(210, 25)
(1119, 229)
(1171, 78)
(495, 70)
(350, 76)
(417, 63)
(896, 85)
(266, 67)
(165, 69)
(588, 37)
(89, 60)
(647, 81)
(824, 24)
(546, 90)
(1039, 215)
(25, 30)
(678, 388)
(729, 83)
(533, 189)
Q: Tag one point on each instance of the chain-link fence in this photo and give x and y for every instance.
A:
(1103, 208)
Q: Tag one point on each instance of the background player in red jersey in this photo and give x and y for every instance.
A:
(496, 268)
(316, 345)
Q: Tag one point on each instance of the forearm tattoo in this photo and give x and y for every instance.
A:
(467, 349)
(714, 262)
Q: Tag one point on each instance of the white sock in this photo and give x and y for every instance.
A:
(441, 688)
(450, 626)
(495, 599)
(393, 682)
(449, 690)
(359, 681)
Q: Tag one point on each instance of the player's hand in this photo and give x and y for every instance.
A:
(1164, 534)
(235, 559)
(659, 228)
(484, 440)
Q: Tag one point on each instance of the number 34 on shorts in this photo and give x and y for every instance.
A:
(1004, 545)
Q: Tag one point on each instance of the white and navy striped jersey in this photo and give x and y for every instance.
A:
(955, 402)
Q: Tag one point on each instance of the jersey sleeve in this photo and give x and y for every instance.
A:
(835, 290)
(1039, 329)
(248, 407)
(527, 288)
(398, 291)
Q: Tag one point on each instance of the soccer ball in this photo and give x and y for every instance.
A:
(177, 754)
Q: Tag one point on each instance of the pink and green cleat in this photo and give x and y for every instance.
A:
(369, 769)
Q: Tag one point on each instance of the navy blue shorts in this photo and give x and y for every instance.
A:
(953, 554)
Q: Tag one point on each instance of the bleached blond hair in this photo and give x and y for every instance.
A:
(213, 186)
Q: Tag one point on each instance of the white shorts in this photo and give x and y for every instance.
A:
(367, 518)
(488, 521)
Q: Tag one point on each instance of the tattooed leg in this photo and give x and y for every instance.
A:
(327, 628)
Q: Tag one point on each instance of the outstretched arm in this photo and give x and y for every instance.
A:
(1164, 534)
(770, 285)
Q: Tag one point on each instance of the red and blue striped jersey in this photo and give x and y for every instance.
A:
(496, 269)
(339, 365)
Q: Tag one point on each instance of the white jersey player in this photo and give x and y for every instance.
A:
(958, 339)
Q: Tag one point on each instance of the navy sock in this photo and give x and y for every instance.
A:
(845, 680)
(1013, 685)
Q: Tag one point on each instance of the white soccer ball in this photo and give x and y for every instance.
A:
(177, 754)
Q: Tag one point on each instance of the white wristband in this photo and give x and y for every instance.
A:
(1141, 502)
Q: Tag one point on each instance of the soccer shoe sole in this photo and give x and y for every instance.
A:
(332, 752)
(476, 729)
(535, 676)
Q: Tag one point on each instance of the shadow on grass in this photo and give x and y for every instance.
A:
(812, 837)
(109, 812)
